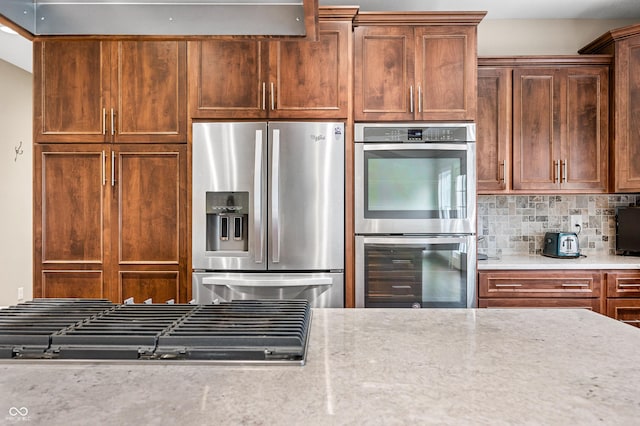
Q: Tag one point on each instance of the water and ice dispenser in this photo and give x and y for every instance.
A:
(227, 221)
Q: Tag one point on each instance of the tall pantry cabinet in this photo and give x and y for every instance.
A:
(624, 45)
(110, 170)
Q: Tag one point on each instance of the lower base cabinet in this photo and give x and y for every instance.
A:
(623, 296)
(540, 289)
(111, 222)
(615, 293)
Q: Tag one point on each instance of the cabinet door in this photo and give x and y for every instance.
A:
(149, 227)
(493, 129)
(149, 91)
(627, 111)
(71, 82)
(384, 73)
(227, 79)
(536, 129)
(310, 79)
(70, 216)
(446, 72)
(584, 151)
(625, 310)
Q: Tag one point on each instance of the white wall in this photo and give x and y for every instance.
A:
(510, 37)
(16, 244)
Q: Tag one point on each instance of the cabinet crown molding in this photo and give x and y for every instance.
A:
(609, 38)
(544, 60)
(419, 18)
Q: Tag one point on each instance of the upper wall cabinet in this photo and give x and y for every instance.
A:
(560, 129)
(236, 78)
(109, 91)
(415, 66)
(493, 130)
(624, 44)
(542, 124)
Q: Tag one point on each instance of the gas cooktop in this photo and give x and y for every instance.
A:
(257, 331)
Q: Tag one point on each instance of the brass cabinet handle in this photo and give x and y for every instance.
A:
(629, 285)
(104, 121)
(574, 285)
(273, 98)
(556, 171)
(113, 171)
(264, 95)
(508, 285)
(564, 170)
(113, 120)
(104, 167)
(419, 98)
(411, 98)
(503, 165)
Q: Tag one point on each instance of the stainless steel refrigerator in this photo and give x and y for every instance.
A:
(268, 211)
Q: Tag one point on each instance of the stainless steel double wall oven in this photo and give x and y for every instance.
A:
(415, 214)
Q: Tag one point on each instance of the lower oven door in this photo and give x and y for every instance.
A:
(321, 289)
(418, 272)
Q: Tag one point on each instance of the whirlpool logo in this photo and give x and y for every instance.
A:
(18, 414)
(318, 138)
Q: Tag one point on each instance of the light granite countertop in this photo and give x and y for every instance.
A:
(366, 367)
(543, 262)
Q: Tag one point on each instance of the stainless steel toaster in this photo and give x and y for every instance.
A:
(561, 244)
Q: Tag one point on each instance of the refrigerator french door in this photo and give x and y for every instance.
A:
(268, 211)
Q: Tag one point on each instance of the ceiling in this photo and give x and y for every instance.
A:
(17, 50)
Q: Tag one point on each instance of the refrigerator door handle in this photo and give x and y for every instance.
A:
(275, 197)
(266, 282)
(257, 200)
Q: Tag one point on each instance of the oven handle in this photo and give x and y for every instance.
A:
(406, 241)
(266, 282)
(415, 146)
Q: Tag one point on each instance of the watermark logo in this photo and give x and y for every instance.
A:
(17, 414)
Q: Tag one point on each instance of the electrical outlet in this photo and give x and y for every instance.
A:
(576, 223)
(20, 294)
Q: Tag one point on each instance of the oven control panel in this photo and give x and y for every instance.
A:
(419, 133)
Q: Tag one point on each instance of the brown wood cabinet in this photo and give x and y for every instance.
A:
(110, 221)
(560, 129)
(553, 121)
(624, 44)
(236, 78)
(493, 125)
(623, 296)
(96, 91)
(528, 288)
(415, 66)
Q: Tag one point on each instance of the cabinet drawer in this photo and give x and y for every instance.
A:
(625, 310)
(574, 284)
(623, 284)
(586, 303)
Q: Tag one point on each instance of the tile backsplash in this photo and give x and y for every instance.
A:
(515, 224)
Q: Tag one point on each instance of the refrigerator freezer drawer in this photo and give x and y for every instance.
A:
(321, 289)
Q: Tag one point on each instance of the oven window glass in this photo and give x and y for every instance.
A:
(415, 184)
(428, 276)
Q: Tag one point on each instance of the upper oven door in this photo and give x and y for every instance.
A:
(405, 188)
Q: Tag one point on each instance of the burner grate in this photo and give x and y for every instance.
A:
(256, 330)
(27, 328)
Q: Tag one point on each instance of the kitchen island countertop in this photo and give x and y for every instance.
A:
(365, 366)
